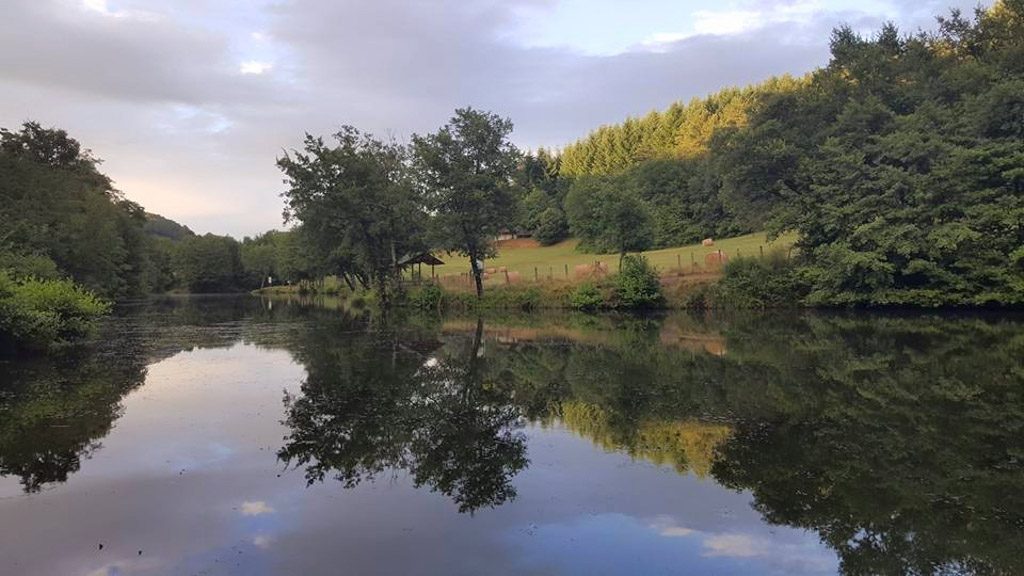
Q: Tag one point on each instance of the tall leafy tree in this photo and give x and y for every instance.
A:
(466, 170)
(357, 202)
(608, 218)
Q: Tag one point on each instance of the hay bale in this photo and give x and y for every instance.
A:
(502, 269)
(491, 271)
(513, 277)
(707, 242)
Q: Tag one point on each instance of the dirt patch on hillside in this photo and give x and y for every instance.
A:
(518, 243)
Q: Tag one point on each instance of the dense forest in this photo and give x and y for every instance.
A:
(900, 165)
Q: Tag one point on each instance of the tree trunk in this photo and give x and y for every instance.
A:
(477, 276)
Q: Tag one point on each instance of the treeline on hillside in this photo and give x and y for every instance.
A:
(900, 165)
(61, 218)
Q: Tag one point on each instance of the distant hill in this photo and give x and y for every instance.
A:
(157, 225)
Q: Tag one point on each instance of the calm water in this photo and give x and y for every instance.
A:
(229, 436)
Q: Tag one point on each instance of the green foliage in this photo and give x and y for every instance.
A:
(681, 131)
(29, 266)
(209, 264)
(427, 297)
(466, 169)
(607, 218)
(904, 190)
(769, 282)
(586, 297)
(57, 206)
(637, 284)
(161, 227)
(552, 227)
(42, 315)
(357, 204)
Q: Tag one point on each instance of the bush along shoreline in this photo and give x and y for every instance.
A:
(45, 316)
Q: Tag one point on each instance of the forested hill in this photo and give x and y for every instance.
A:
(157, 225)
(683, 130)
(900, 165)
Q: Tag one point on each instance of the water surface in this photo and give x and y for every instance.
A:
(239, 436)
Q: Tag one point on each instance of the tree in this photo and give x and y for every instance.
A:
(466, 170)
(56, 205)
(607, 218)
(209, 263)
(551, 226)
(357, 202)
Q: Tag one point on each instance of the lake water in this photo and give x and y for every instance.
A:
(240, 436)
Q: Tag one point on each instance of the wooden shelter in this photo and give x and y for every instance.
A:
(418, 260)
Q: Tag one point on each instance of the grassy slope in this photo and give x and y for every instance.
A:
(553, 259)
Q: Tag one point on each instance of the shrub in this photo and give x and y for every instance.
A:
(637, 284)
(551, 227)
(429, 297)
(769, 282)
(586, 296)
(42, 315)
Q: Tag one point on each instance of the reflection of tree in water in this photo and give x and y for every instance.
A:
(899, 440)
(370, 405)
(54, 412)
(52, 416)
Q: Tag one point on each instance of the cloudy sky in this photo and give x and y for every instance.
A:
(190, 101)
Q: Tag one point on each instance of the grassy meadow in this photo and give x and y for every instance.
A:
(552, 260)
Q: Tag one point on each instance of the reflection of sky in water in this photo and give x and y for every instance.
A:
(189, 476)
(619, 544)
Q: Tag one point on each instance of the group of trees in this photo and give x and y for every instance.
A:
(365, 205)
(61, 219)
(60, 216)
(899, 165)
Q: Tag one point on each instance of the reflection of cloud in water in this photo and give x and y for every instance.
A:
(735, 546)
(262, 541)
(738, 545)
(124, 567)
(256, 508)
(660, 545)
(666, 526)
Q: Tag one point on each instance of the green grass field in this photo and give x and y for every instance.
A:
(553, 259)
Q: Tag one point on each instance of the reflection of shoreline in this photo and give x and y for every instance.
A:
(687, 446)
(671, 332)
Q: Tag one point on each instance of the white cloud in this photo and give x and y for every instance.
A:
(254, 67)
(256, 508)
